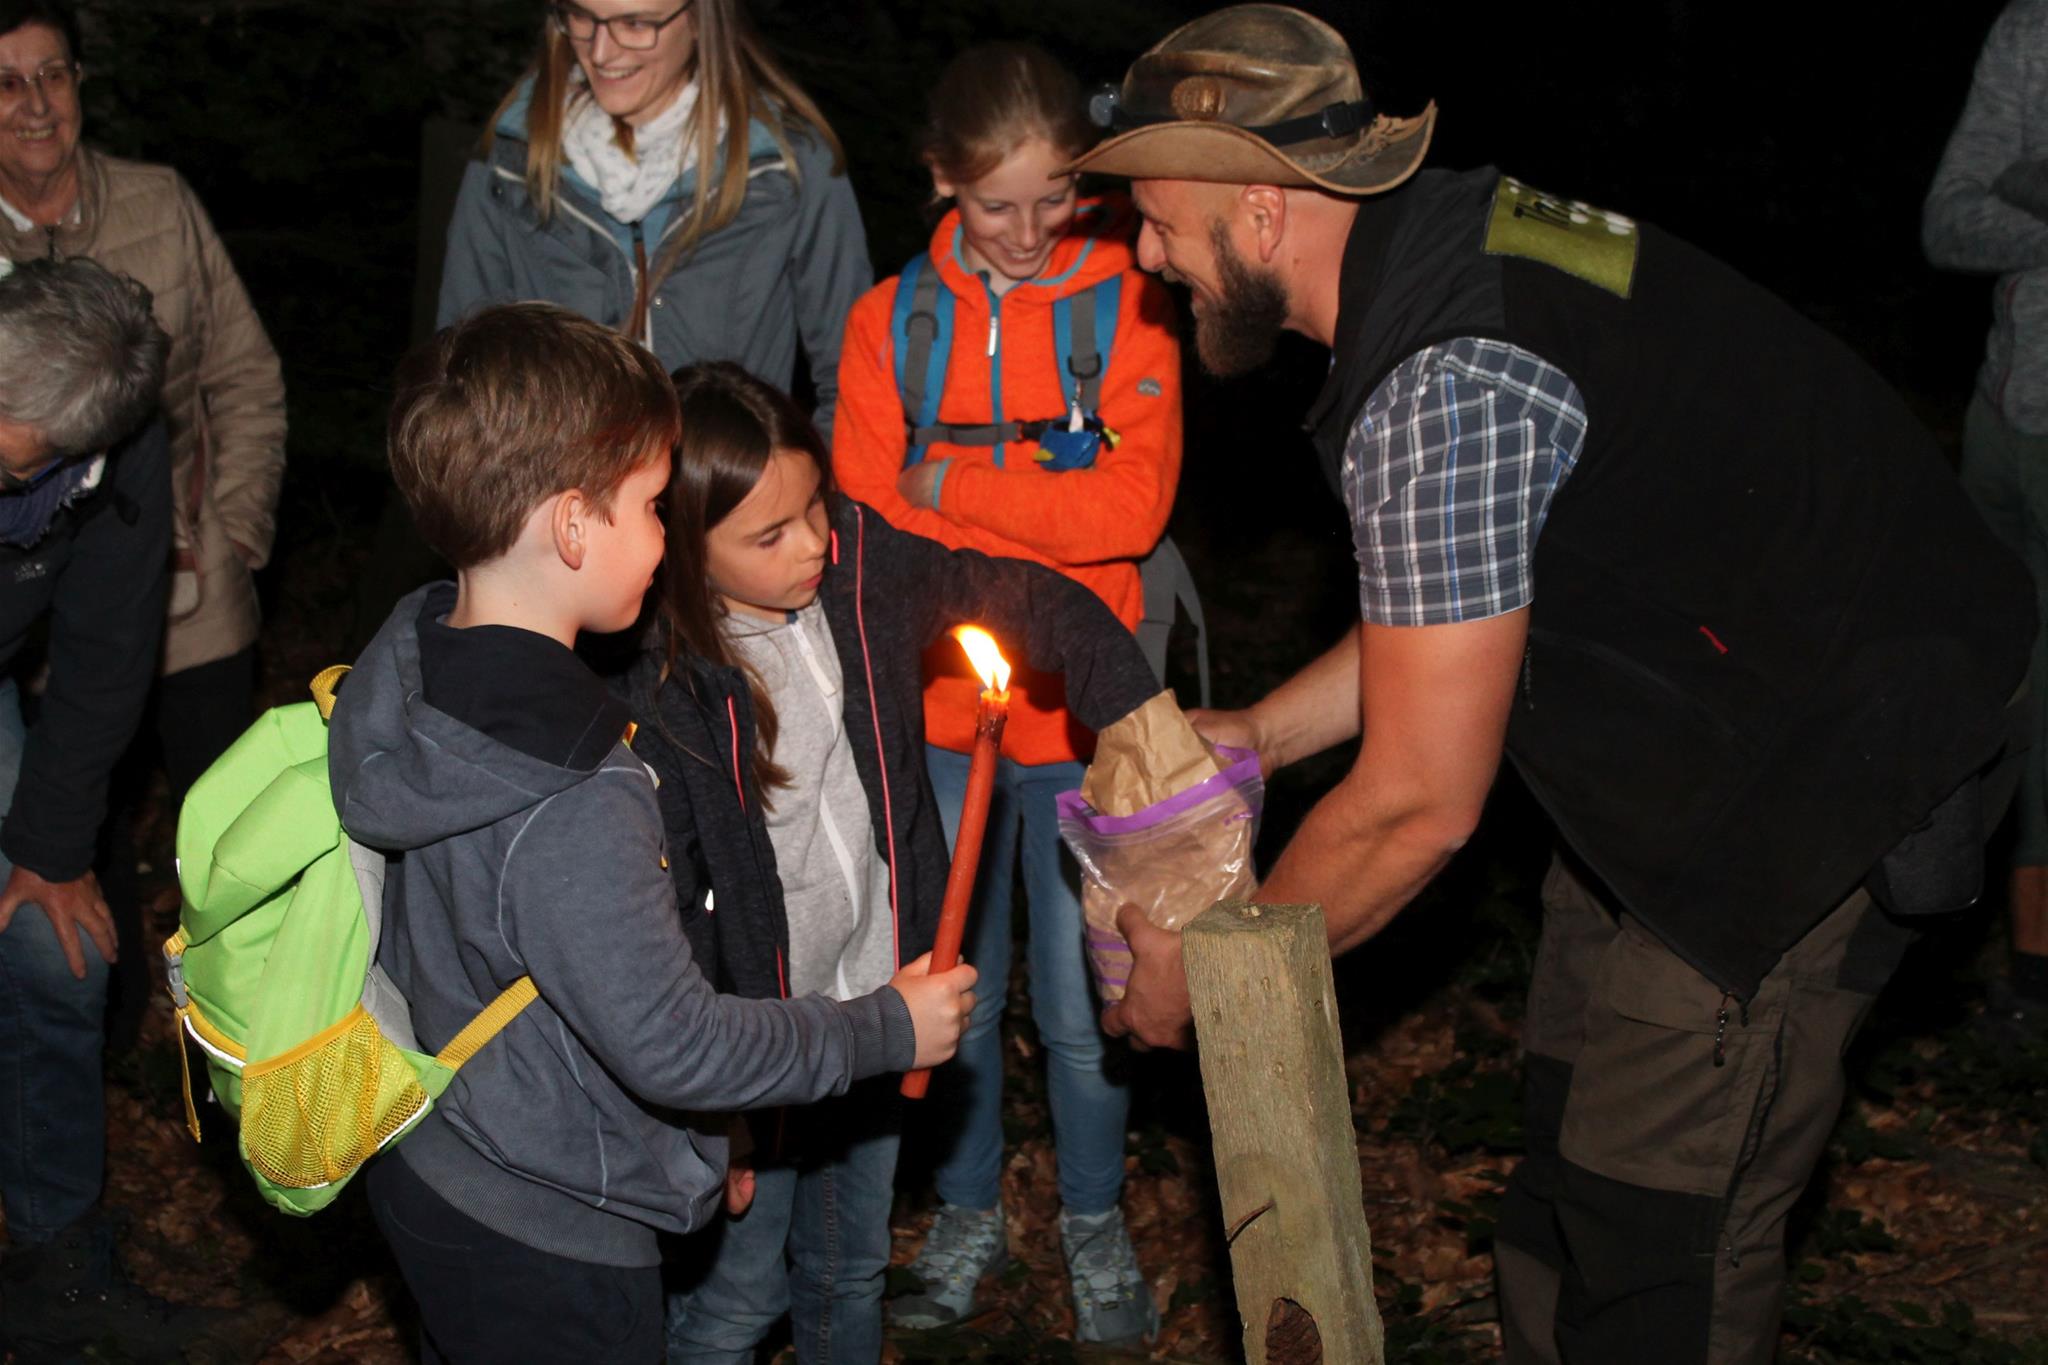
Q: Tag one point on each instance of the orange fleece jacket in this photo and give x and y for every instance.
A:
(1091, 524)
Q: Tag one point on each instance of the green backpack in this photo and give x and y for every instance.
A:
(308, 1044)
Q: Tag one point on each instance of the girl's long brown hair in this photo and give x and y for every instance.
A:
(992, 99)
(737, 77)
(733, 424)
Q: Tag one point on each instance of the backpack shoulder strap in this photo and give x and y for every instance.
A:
(326, 683)
(1084, 333)
(921, 331)
(489, 1022)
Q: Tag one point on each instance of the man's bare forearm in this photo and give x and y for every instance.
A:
(1361, 864)
(1433, 705)
(1312, 710)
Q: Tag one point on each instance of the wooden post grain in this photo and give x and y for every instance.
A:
(1280, 1118)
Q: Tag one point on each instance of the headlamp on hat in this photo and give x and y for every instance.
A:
(1106, 110)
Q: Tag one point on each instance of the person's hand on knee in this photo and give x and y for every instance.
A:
(72, 906)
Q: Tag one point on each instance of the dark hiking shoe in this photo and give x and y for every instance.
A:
(67, 1300)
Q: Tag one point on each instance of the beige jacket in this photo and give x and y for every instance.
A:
(223, 392)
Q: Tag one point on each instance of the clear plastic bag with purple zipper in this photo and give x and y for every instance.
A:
(1173, 859)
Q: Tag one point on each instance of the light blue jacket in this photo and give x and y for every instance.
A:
(789, 267)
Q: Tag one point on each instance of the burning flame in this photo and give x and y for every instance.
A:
(988, 661)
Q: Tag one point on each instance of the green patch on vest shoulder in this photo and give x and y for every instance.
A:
(1587, 243)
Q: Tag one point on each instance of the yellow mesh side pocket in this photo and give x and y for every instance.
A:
(314, 1114)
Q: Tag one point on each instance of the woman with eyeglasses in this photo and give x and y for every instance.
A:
(223, 398)
(657, 171)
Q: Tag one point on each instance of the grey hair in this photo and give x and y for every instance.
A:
(81, 356)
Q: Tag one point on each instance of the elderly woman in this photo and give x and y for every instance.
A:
(85, 536)
(223, 395)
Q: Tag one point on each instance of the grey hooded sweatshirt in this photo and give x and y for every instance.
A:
(524, 840)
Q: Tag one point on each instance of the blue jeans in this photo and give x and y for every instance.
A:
(1088, 1108)
(53, 1128)
(814, 1244)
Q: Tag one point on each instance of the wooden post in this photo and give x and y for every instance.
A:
(1280, 1116)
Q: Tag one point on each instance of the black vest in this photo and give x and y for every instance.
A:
(1769, 634)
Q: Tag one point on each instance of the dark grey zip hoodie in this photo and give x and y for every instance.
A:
(525, 841)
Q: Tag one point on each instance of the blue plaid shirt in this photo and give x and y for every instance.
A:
(1448, 474)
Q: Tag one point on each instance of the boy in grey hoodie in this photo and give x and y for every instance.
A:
(474, 747)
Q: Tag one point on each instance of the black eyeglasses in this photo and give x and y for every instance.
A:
(51, 78)
(636, 32)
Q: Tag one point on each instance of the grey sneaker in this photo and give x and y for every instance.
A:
(964, 1246)
(1112, 1303)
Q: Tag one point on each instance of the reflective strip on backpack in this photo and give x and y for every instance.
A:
(217, 1044)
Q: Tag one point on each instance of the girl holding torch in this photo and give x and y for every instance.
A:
(780, 700)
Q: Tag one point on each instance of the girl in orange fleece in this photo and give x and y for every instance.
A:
(1017, 391)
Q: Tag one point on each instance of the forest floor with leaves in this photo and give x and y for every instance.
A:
(1923, 1239)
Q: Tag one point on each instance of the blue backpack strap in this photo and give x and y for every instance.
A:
(921, 330)
(1084, 331)
(1108, 299)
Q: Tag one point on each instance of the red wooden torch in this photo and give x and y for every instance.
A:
(989, 716)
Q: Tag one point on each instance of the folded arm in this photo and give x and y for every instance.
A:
(869, 441)
(1117, 508)
(1985, 210)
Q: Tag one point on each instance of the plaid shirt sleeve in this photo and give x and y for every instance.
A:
(1448, 474)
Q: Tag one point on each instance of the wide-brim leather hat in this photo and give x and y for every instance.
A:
(1254, 95)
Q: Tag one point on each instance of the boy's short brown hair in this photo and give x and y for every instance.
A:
(511, 406)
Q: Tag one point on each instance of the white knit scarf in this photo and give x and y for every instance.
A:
(630, 185)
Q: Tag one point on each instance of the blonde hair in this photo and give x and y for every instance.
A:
(992, 99)
(738, 80)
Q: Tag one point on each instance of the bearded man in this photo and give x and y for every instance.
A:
(1628, 519)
